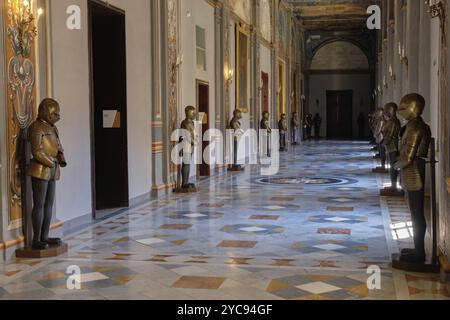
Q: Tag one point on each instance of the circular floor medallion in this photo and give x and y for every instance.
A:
(311, 181)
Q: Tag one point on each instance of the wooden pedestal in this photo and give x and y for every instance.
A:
(52, 251)
(236, 169)
(390, 192)
(185, 190)
(413, 267)
(380, 170)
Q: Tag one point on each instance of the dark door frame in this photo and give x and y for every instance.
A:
(99, 3)
(199, 83)
(351, 92)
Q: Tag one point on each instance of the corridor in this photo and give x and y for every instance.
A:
(310, 232)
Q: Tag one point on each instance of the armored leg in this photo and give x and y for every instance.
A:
(282, 141)
(48, 213)
(393, 157)
(235, 154)
(185, 172)
(39, 199)
(416, 201)
(383, 156)
(294, 136)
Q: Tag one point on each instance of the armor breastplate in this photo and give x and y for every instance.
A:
(391, 132)
(235, 124)
(45, 147)
(414, 146)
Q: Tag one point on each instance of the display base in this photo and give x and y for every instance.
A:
(413, 267)
(51, 252)
(380, 170)
(185, 190)
(236, 169)
(391, 192)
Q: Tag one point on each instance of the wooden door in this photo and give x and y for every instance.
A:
(108, 107)
(340, 114)
(204, 170)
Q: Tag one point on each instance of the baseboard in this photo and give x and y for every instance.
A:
(445, 264)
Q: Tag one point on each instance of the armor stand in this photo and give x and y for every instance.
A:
(393, 190)
(378, 148)
(294, 137)
(236, 167)
(283, 147)
(398, 260)
(382, 169)
(185, 186)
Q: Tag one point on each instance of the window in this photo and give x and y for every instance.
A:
(201, 48)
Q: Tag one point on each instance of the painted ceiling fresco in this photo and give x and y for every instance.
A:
(332, 15)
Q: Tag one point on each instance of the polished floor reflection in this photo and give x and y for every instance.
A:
(310, 232)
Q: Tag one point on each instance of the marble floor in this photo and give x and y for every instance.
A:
(309, 233)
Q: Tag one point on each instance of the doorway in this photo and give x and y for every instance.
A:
(340, 114)
(108, 108)
(204, 169)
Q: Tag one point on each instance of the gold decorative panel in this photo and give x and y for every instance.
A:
(242, 67)
(21, 92)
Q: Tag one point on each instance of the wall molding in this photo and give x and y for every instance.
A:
(316, 72)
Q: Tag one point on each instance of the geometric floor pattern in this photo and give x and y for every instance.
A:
(309, 232)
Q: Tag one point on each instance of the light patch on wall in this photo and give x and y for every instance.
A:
(340, 55)
(200, 36)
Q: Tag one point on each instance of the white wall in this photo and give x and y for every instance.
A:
(319, 84)
(433, 104)
(71, 89)
(201, 14)
(196, 13)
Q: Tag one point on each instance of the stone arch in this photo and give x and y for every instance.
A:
(339, 48)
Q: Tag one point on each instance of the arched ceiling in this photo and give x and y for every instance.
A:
(340, 55)
(327, 21)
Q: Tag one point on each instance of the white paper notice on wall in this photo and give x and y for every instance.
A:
(111, 119)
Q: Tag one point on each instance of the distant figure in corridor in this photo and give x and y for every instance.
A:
(361, 125)
(317, 124)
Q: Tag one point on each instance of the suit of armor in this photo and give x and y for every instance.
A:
(378, 134)
(391, 132)
(265, 125)
(294, 128)
(413, 150)
(414, 147)
(235, 124)
(283, 128)
(188, 150)
(44, 170)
